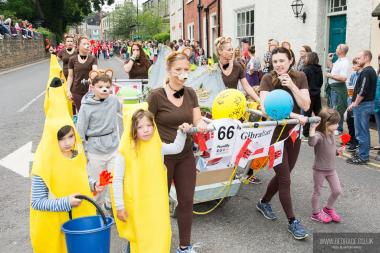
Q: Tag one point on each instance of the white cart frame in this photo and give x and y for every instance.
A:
(210, 192)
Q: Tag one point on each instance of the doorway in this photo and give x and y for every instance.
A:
(337, 35)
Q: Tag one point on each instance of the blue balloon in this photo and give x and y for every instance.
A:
(278, 104)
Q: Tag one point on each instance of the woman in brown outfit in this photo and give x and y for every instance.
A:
(295, 83)
(172, 105)
(79, 68)
(232, 71)
(137, 65)
(67, 52)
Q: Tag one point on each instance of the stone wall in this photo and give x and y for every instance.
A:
(15, 52)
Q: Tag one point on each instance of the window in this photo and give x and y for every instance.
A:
(213, 32)
(245, 26)
(337, 6)
(190, 31)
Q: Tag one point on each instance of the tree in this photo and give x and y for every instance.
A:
(54, 14)
(162, 37)
(149, 24)
(124, 23)
(23, 9)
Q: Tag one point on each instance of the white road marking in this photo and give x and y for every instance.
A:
(23, 66)
(19, 161)
(31, 102)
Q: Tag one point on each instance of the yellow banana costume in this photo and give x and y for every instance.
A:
(61, 175)
(56, 71)
(145, 192)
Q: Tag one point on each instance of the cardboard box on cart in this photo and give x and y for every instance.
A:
(210, 185)
(213, 176)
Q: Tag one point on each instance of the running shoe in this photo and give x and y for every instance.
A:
(297, 230)
(189, 249)
(321, 217)
(266, 210)
(332, 214)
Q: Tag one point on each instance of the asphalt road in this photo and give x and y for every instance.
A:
(236, 227)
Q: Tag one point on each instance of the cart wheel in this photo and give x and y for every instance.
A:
(225, 200)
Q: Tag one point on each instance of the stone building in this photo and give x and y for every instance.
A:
(176, 19)
(326, 24)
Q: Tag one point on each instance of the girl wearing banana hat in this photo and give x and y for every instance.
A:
(58, 175)
(139, 190)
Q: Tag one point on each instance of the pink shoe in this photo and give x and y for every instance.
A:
(321, 217)
(331, 212)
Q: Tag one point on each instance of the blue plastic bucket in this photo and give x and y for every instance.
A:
(88, 234)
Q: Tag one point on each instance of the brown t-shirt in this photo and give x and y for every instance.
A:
(81, 71)
(138, 71)
(168, 116)
(324, 151)
(65, 57)
(237, 74)
(300, 80)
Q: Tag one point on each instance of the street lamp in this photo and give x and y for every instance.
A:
(297, 6)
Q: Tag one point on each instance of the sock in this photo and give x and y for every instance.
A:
(291, 220)
(183, 248)
(316, 213)
(328, 208)
(264, 201)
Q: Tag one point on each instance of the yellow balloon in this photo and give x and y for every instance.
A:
(229, 103)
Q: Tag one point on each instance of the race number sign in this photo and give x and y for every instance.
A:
(259, 143)
(225, 135)
(230, 144)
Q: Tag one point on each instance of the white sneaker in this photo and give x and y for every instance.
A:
(190, 249)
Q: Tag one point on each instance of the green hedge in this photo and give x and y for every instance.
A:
(45, 32)
(162, 37)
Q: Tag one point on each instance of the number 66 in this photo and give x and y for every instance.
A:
(222, 132)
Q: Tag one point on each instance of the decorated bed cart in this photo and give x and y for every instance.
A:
(228, 151)
(236, 142)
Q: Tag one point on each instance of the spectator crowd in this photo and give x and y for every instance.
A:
(16, 28)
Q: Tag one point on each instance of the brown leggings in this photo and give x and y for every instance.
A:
(77, 100)
(281, 181)
(183, 172)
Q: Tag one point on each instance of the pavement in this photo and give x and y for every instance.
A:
(236, 227)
